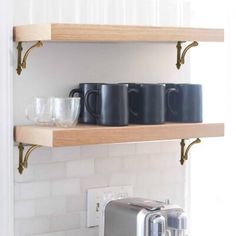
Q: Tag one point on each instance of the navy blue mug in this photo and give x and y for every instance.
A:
(85, 116)
(184, 103)
(146, 103)
(112, 107)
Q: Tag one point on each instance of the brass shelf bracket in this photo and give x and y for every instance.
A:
(184, 152)
(181, 57)
(23, 159)
(21, 63)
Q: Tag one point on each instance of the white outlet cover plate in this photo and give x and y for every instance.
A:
(97, 196)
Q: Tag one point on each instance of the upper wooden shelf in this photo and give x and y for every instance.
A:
(114, 33)
(89, 134)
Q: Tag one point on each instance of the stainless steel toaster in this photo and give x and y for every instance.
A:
(143, 217)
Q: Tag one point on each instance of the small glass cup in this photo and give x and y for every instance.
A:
(40, 111)
(66, 111)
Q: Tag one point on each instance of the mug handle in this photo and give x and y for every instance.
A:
(133, 90)
(168, 95)
(86, 102)
(74, 91)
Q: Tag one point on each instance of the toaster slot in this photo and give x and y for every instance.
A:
(149, 205)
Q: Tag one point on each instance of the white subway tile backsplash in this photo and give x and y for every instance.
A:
(34, 190)
(65, 222)
(94, 151)
(122, 178)
(141, 191)
(83, 219)
(164, 161)
(40, 172)
(24, 209)
(154, 172)
(27, 176)
(136, 163)
(66, 187)
(121, 149)
(93, 182)
(80, 168)
(41, 156)
(17, 191)
(50, 206)
(49, 171)
(65, 154)
(147, 178)
(148, 147)
(173, 175)
(170, 147)
(175, 193)
(76, 203)
(32, 226)
(108, 165)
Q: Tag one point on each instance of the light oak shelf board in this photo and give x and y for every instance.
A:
(114, 33)
(88, 134)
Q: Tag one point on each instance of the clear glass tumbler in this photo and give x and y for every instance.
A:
(40, 111)
(66, 111)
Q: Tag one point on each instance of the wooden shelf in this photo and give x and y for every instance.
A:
(112, 33)
(89, 134)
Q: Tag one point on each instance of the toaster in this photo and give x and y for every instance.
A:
(143, 217)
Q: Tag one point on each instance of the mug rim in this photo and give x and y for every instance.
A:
(149, 84)
(66, 98)
(112, 84)
(183, 84)
(88, 83)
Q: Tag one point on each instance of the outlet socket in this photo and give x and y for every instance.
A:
(97, 198)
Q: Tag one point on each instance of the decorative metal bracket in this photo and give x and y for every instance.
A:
(21, 63)
(184, 152)
(23, 160)
(181, 57)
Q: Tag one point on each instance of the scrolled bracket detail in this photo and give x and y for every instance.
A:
(21, 62)
(181, 56)
(23, 159)
(185, 152)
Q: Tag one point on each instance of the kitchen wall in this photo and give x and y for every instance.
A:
(50, 196)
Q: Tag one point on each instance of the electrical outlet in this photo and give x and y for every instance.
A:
(97, 198)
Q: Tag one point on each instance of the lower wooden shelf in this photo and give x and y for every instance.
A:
(92, 134)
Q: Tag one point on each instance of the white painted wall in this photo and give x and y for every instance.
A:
(49, 198)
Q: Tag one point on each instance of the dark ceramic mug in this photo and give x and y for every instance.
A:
(85, 116)
(184, 103)
(147, 103)
(112, 104)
